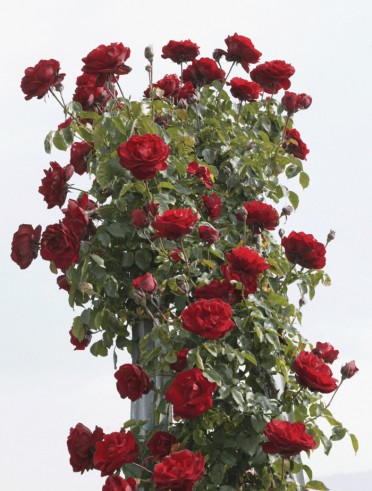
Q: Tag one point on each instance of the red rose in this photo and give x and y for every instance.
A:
(151, 208)
(132, 381)
(209, 235)
(326, 352)
(169, 84)
(160, 444)
(180, 51)
(249, 281)
(176, 254)
(190, 393)
(260, 216)
(117, 483)
(54, 184)
(39, 79)
(147, 283)
(81, 444)
(273, 75)
(179, 471)
(79, 153)
(287, 439)
(66, 123)
(63, 283)
(173, 224)
(241, 50)
(202, 172)
(294, 102)
(143, 155)
(244, 90)
(61, 245)
(246, 261)
(211, 319)
(187, 92)
(313, 373)
(91, 97)
(216, 289)
(81, 345)
(203, 71)
(114, 450)
(140, 218)
(181, 362)
(303, 249)
(25, 245)
(294, 145)
(213, 205)
(349, 370)
(107, 59)
(76, 219)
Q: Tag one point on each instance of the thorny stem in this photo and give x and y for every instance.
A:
(141, 467)
(158, 309)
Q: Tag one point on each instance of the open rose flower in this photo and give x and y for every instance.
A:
(294, 145)
(173, 224)
(79, 156)
(143, 155)
(90, 94)
(246, 261)
(273, 75)
(244, 90)
(240, 49)
(60, 245)
(260, 216)
(313, 373)
(114, 450)
(105, 60)
(209, 235)
(326, 352)
(181, 362)
(77, 219)
(287, 439)
(160, 444)
(54, 185)
(211, 319)
(293, 102)
(203, 71)
(169, 84)
(186, 92)
(180, 51)
(179, 471)
(117, 483)
(202, 172)
(132, 381)
(25, 245)
(81, 444)
(190, 393)
(212, 204)
(147, 283)
(216, 289)
(39, 79)
(303, 249)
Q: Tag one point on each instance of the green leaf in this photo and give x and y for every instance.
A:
(143, 259)
(98, 260)
(217, 473)
(127, 260)
(304, 180)
(354, 442)
(199, 437)
(338, 433)
(316, 485)
(98, 349)
(78, 329)
(48, 142)
(293, 199)
(277, 299)
(59, 141)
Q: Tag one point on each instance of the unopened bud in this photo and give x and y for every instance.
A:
(182, 103)
(217, 54)
(149, 53)
(148, 68)
(241, 214)
(86, 287)
(331, 236)
(281, 233)
(59, 87)
(349, 370)
(302, 302)
(193, 99)
(287, 210)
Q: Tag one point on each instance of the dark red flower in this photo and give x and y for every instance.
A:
(273, 75)
(180, 51)
(303, 249)
(326, 352)
(244, 90)
(143, 155)
(147, 283)
(66, 123)
(76, 219)
(61, 245)
(160, 444)
(181, 362)
(173, 224)
(114, 450)
(91, 97)
(81, 444)
(246, 261)
(187, 92)
(216, 289)
(287, 439)
(293, 102)
(81, 345)
(249, 282)
(107, 60)
(140, 218)
(349, 370)
(169, 84)
(117, 483)
(202, 172)
(179, 471)
(132, 381)
(294, 145)
(79, 156)
(260, 216)
(63, 283)
(209, 235)
(176, 254)
(313, 373)
(212, 204)
(190, 393)
(241, 50)
(203, 71)
(54, 184)
(151, 208)
(39, 79)
(25, 245)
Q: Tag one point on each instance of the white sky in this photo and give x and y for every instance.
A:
(45, 386)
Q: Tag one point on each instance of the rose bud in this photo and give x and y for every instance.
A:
(182, 103)
(209, 235)
(139, 218)
(241, 214)
(281, 233)
(63, 283)
(326, 352)
(302, 302)
(149, 53)
(349, 370)
(287, 210)
(331, 236)
(181, 362)
(146, 283)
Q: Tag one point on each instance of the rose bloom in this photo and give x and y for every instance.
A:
(132, 381)
(91, 97)
(349, 370)
(114, 450)
(63, 283)
(202, 172)
(180, 51)
(160, 444)
(147, 283)
(151, 208)
(203, 71)
(107, 59)
(303, 249)
(212, 204)
(287, 439)
(78, 156)
(66, 123)
(140, 218)
(294, 145)
(81, 444)
(169, 84)
(54, 184)
(117, 483)
(246, 261)
(313, 373)
(143, 155)
(173, 224)
(25, 245)
(181, 362)
(60, 245)
(260, 216)
(249, 281)
(81, 345)
(241, 50)
(190, 393)
(216, 289)
(293, 102)
(211, 319)
(179, 471)
(39, 79)
(76, 219)
(209, 235)
(273, 75)
(187, 92)
(176, 254)
(244, 90)
(326, 352)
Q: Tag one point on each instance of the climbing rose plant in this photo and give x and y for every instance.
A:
(177, 237)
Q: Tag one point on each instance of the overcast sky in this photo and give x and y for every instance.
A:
(45, 386)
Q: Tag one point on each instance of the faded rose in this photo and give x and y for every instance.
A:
(212, 204)
(293, 102)
(117, 483)
(303, 249)
(244, 90)
(147, 283)
(160, 444)
(180, 51)
(313, 373)
(132, 381)
(326, 352)
(209, 235)
(260, 216)
(39, 79)
(114, 450)
(81, 444)
(287, 439)
(54, 184)
(273, 75)
(25, 245)
(79, 156)
(294, 145)
(179, 471)
(203, 71)
(173, 224)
